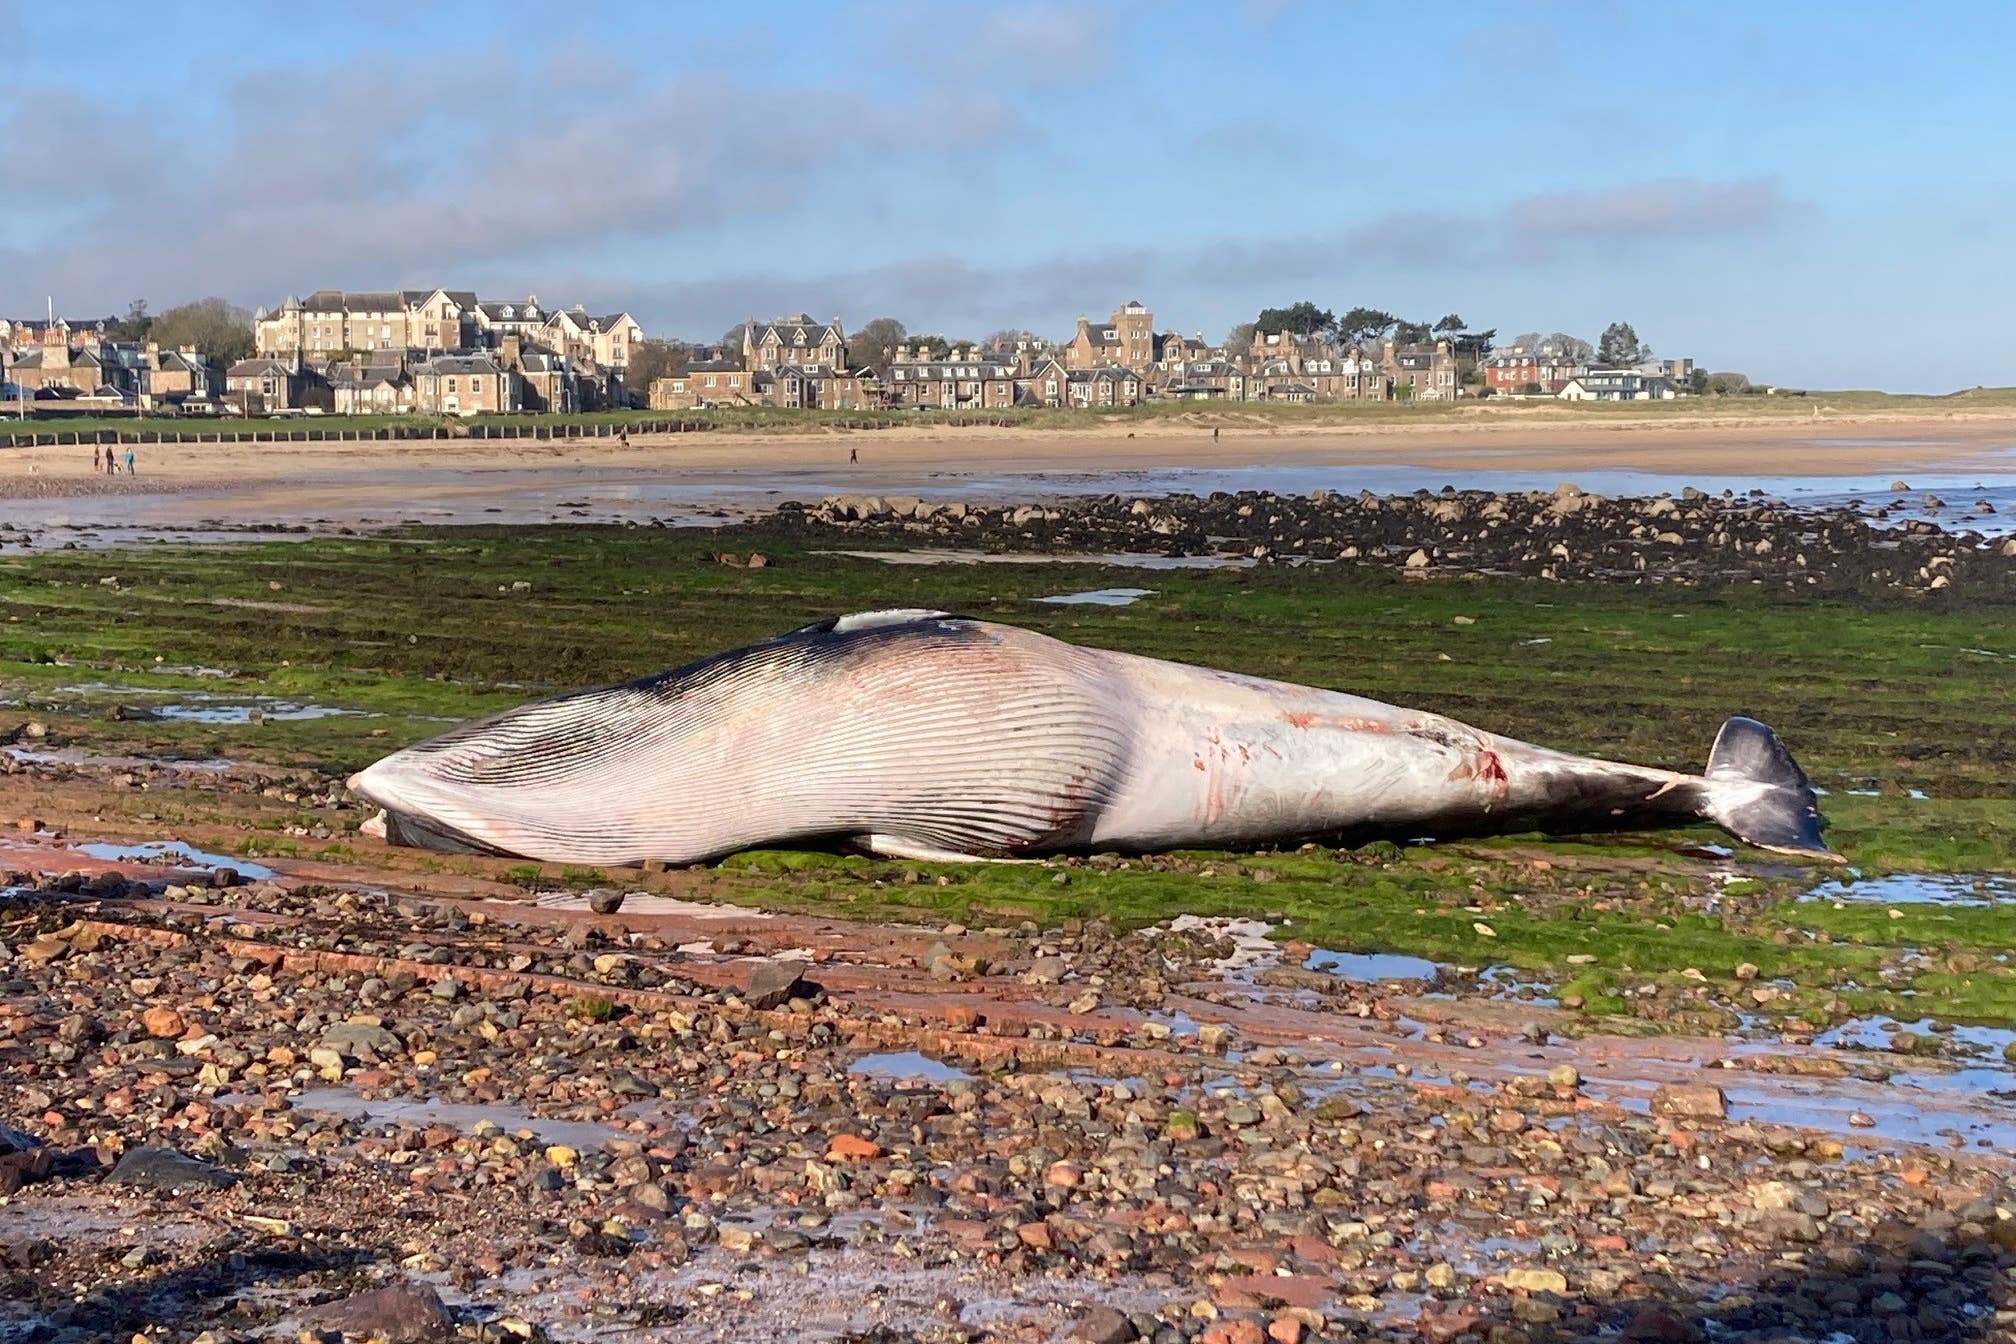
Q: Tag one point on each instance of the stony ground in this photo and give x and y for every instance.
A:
(239, 1104)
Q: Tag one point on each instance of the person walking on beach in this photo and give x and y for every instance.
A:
(129, 461)
(111, 463)
(853, 454)
(97, 464)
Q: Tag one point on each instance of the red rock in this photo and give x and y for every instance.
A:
(1296, 1290)
(962, 1016)
(164, 1023)
(1244, 1332)
(1036, 1236)
(853, 1148)
(1690, 1101)
(1285, 1330)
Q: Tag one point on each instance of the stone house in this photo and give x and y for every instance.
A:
(1207, 379)
(1127, 341)
(591, 342)
(466, 385)
(711, 382)
(795, 339)
(963, 380)
(1429, 373)
(260, 386)
(330, 322)
(1111, 386)
(1520, 371)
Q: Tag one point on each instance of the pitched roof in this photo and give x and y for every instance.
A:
(255, 368)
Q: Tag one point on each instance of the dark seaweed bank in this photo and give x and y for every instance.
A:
(1568, 534)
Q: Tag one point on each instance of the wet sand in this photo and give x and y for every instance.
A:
(692, 477)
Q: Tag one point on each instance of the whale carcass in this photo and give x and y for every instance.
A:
(922, 735)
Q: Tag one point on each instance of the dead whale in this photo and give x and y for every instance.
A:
(919, 734)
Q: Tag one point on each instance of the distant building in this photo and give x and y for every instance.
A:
(705, 383)
(466, 385)
(1617, 385)
(332, 322)
(261, 386)
(1429, 372)
(963, 380)
(796, 339)
(1127, 341)
(1524, 371)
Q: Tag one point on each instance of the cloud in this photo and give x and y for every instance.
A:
(1674, 207)
(1039, 44)
(372, 172)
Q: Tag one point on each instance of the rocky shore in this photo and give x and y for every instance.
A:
(1567, 534)
(249, 1107)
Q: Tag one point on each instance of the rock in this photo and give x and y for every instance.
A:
(1690, 1101)
(163, 1023)
(402, 1313)
(1564, 1075)
(772, 984)
(1102, 1325)
(359, 1040)
(166, 1169)
(852, 1148)
(1417, 560)
(605, 900)
(1536, 1280)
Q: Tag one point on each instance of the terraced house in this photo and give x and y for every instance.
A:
(331, 322)
(963, 380)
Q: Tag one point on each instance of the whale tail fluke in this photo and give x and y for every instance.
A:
(1759, 794)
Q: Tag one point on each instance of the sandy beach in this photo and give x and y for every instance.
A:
(705, 476)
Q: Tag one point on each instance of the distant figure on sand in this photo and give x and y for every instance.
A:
(111, 463)
(853, 454)
(129, 461)
(97, 462)
(1214, 433)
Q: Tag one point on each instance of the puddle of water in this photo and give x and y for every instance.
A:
(75, 756)
(643, 903)
(212, 707)
(908, 1066)
(1251, 947)
(1370, 967)
(1100, 597)
(1505, 982)
(1906, 1118)
(173, 849)
(582, 1135)
(1874, 1033)
(1918, 889)
(1120, 559)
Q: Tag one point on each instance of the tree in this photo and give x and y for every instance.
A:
(1526, 340)
(1723, 384)
(1571, 348)
(1360, 325)
(1004, 341)
(653, 358)
(1451, 326)
(1697, 381)
(215, 327)
(932, 347)
(1304, 319)
(1476, 345)
(134, 326)
(1410, 333)
(731, 339)
(1620, 347)
(1240, 338)
(874, 346)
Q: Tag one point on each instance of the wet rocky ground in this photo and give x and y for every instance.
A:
(1566, 534)
(331, 1097)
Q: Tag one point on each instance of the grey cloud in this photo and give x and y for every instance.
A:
(373, 173)
(1681, 206)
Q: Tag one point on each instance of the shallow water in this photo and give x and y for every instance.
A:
(1100, 597)
(582, 1135)
(1370, 967)
(908, 1066)
(173, 849)
(77, 756)
(1919, 889)
(1118, 559)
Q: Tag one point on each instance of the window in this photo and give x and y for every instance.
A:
(451, 384)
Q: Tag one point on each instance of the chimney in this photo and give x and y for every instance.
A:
(508, 353)
(903, 353)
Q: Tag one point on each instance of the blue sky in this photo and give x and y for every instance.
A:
(1812, 193)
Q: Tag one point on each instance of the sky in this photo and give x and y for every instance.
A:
(1817, 194)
